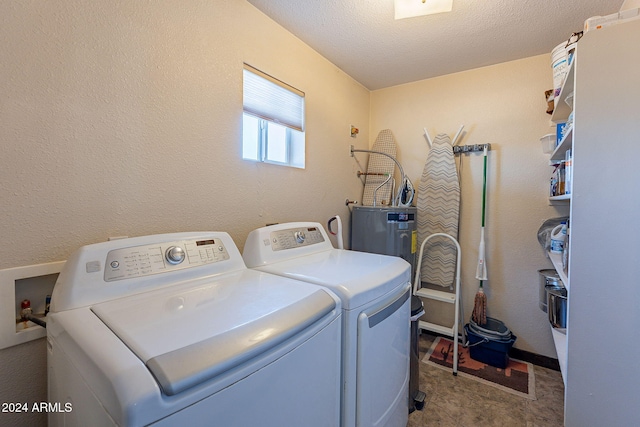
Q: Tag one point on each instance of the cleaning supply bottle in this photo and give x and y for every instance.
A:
(558, 236)
(565, 251)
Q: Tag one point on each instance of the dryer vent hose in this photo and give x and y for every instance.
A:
(338, 233)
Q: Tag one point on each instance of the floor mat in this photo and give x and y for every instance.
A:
(517, 378)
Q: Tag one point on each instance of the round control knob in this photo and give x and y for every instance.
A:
(299, 235)
(175, 255)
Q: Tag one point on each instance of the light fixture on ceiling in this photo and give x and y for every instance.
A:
(411, 8)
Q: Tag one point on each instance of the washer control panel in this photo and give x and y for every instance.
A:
(295, 237)
(140, 261)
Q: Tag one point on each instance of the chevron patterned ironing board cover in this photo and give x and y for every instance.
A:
(438, 208)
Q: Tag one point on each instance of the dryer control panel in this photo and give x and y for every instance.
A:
(282, 242)
(295, 237)
(139, 261)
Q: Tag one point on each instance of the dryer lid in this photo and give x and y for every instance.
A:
(356, 277)
(193, 332)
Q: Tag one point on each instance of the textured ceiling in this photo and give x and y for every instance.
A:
(364, 40)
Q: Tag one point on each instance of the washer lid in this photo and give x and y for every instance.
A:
(357, 277)
(193, 332)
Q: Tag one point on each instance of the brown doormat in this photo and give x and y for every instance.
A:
(517, 378)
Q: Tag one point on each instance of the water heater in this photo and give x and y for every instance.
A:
(385, 230)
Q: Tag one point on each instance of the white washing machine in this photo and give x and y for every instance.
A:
(375, 293)
(173, 329)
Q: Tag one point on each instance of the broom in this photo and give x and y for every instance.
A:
(479, 314)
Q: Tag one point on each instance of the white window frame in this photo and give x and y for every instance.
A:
(270, 102)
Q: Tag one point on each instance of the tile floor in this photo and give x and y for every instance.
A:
(455, 401)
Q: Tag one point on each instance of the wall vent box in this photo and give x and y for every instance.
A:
(32, 282)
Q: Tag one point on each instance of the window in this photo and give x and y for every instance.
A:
(272, 120)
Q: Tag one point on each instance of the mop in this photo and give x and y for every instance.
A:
(479, 314)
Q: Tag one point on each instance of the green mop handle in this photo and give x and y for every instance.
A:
(484, 184)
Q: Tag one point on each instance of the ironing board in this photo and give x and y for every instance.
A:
(385, 143)
(438, 210)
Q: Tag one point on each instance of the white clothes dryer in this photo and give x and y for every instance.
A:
(173, 329)
(375, 293)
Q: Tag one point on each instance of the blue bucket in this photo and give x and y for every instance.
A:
(492, 349)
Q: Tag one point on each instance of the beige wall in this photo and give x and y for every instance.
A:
(502, 105)
(124, 118)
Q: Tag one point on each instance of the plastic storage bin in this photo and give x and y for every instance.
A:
(548, 143)
(490, 343)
